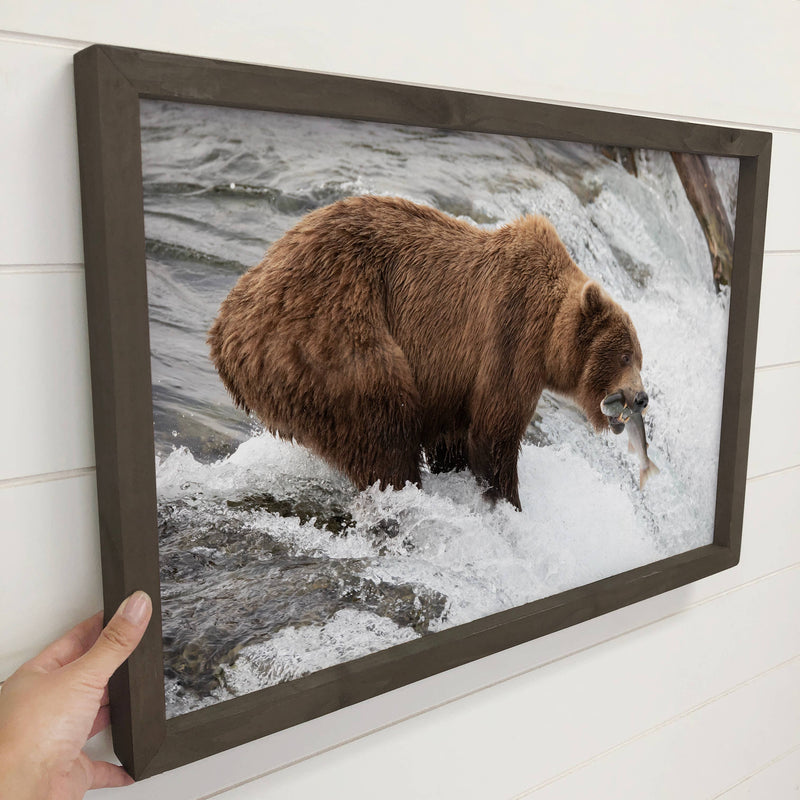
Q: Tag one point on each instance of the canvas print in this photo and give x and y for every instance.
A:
(404, 378)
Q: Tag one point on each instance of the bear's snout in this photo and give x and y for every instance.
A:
(634, 397)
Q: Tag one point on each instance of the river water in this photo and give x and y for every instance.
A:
(272, 565)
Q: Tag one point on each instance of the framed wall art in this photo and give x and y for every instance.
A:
(389, 378)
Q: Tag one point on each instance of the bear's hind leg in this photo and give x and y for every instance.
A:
(494, 462)
(386, 446)
(379, 420)
(493, 445)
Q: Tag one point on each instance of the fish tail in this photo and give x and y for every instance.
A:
(646, 473)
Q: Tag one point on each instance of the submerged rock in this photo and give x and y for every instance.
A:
(226, 584)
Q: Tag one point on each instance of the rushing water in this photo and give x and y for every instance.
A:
(272, 565)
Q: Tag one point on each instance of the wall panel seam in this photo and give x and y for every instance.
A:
(780, 365)
(78, 266)
(521, 673)
(526, 792)
(772, 762)
(39, 269)
(60, 475)
(774, 473)
(89, 471)
(653, 729)
(21, 37)
(46, 477)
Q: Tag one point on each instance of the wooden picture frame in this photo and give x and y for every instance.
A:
(109, 83)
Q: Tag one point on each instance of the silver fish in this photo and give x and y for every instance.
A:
(614, 407)
(617, 411)
(637, 443)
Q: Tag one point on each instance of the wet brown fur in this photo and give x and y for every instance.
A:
(377, 329)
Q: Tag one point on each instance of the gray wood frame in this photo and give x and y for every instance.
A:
(109, 82)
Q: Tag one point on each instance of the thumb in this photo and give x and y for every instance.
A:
(119, 638)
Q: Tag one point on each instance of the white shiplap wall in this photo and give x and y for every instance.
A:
(692, 694)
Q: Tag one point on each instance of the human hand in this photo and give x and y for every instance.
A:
(58, 700)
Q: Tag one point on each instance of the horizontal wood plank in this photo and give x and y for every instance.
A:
(779, 779)
(774, 432)
(45, 404)
(779, 317)
(698, 755)
(50, 567)
(783, 232)
(40, 205)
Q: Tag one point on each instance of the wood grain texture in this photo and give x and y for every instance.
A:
(168, 76)
(108, 119)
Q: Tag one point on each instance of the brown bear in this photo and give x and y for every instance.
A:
(377, 330)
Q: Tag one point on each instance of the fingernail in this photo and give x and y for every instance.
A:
(135, 608)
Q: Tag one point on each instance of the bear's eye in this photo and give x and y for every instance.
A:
(626, 359)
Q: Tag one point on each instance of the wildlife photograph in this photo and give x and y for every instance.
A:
(404, 378)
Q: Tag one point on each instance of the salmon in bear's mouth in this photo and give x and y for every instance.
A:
(615, 407)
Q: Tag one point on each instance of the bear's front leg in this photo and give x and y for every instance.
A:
(499, 412)
(493, 460)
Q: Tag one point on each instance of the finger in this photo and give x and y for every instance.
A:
(105, 775)
(118, 639)
(101, 721)
(73, 644)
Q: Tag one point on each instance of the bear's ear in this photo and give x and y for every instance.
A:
(593, 299)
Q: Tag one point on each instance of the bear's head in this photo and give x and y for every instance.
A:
(611, 355)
